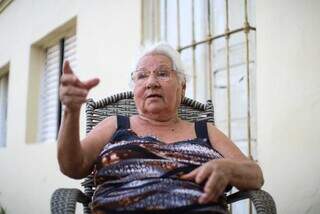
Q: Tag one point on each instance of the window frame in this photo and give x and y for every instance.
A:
(36, 68)
(58, 111)
(4, 79)
(154, 24)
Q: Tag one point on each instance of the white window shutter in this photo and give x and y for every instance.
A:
(70, 51)
(49, 101)
(3, 109)
(49, 114)
(70, 55)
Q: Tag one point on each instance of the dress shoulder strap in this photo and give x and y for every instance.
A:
(201, 129)
(123, 122)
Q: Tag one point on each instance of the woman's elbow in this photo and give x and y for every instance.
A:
(71, 169)
(71, 172)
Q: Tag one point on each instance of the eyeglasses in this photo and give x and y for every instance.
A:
(161, 74)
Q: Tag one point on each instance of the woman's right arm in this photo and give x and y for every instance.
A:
(75, 157)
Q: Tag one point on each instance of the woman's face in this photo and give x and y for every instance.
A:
(157, 90)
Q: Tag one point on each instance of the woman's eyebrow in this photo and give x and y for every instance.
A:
(160, 66)
(164, 66)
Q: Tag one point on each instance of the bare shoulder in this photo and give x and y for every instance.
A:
(104, 129)
(108, 122)
(223, 144)
(100, 135)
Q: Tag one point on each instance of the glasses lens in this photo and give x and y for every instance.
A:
(163, 75)
(140, 75)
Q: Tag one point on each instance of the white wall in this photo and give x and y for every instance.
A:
(288, 93)
(108, 34)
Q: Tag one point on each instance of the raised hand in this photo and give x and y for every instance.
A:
(215, 174)
(73, 92)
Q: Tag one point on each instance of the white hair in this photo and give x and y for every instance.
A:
(164, 48)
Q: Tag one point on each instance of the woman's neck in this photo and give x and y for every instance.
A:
(159, 121)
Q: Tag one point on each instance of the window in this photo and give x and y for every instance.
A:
(216, 39)
(50, 109)
(4, 79)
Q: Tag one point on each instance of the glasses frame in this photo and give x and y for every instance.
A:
(171, 71)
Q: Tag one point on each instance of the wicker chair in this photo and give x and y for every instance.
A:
(64, 200)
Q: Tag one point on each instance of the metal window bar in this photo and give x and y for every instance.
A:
(165, 19)
(194, 77)
(178, 24)
(209, 73)
(212, 38)
(246, 31)
(142, 28)
(153, 17)
(227, 41)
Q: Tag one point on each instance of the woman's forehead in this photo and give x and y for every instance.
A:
(154, 60)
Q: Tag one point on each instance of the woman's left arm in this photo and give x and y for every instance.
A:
(234, 169)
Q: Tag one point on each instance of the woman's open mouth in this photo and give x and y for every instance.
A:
(154, 96)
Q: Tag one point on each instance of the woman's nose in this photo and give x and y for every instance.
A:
(152, 82)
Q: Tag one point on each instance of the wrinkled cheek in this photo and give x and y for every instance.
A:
(138, 97)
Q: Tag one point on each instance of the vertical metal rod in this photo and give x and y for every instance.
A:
(165, 20)
(227, 41)
(153, 21)
(209, 52)
(246, 11)
(228, 69)
(194, 91)
(178, 24)
(247, 31)
(142, 22)
(157, 19)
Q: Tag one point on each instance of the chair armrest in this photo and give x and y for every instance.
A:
(64, 201)
(262, 201)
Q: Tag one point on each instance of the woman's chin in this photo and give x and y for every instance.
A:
(155, 108)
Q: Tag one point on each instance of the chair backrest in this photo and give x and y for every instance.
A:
(123, 104)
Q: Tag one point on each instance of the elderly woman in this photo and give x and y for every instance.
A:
(152, 161)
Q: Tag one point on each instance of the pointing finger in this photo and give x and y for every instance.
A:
(71, 79)
(66, 68)
(74, 91)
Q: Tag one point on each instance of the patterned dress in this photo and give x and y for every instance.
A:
(141, 174)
